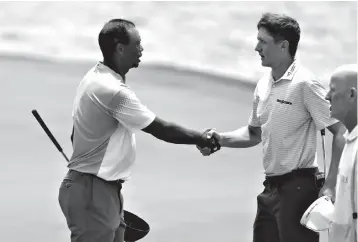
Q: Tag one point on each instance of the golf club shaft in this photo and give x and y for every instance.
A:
(48, 132)
(64, 155)
(323, 133)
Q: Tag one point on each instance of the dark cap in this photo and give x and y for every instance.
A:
(136, 228)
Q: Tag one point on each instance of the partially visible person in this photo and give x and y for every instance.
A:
(342, 96)
(289, 108)
(106, 113)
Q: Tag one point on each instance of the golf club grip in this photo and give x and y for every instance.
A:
(44, 127)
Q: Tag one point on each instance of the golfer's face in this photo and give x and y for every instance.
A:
(266, 47)
(133, 51)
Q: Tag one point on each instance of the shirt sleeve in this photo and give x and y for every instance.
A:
(127, 109)
(314, 99)
(254, 120)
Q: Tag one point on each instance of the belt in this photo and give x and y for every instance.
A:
(114, 182)
(117, 182)
(278, 180)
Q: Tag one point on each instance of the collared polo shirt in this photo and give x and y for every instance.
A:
(344, 225)
(345, 182)
(290, 111)
(106, 113)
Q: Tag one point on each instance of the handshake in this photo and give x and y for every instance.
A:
(210, 142)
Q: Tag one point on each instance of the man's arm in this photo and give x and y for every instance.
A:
(338, 142)
(176, 134)
(244, 137)
(128, 110)
(247, 136)
(314, 95)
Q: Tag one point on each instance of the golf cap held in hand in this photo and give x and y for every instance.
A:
(136, 228)
(318, 216)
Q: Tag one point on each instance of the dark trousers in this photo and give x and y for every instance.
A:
(281, 205)
(93, 208)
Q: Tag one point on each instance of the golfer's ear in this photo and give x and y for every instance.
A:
(284, 44)
(119, 48)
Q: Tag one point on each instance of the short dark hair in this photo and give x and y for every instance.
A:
(282, 27)
(113, 32)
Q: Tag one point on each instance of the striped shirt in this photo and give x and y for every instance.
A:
(106, 113)
(290, 111)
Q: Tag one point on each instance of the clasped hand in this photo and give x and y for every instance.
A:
(213, 142)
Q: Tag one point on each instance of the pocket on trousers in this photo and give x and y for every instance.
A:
(64, 196)
(66, 183)
(64, 193)
(72, 192)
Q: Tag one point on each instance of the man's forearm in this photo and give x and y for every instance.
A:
(337, 148)
(178, 135)
(173, 133)
(240, 138)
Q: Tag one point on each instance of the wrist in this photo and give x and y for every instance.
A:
(198, 139)
(206, 139)
(224, 139)
(331, 183)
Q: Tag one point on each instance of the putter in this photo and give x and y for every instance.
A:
(136, 227)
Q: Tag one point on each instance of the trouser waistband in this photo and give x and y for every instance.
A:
(303, 172)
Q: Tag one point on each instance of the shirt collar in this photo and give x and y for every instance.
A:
(290, 72)
(105, 68)
(352, 135)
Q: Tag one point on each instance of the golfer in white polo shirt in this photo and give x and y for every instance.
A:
(289, 107)
(106, 112)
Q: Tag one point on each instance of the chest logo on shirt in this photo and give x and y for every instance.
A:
(283, 102)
